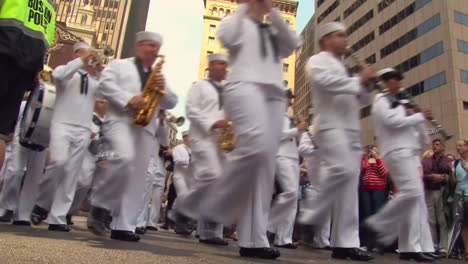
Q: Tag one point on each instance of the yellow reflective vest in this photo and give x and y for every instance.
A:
(36, 18)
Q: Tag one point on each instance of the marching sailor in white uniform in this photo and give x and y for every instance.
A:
(253, 100)
(398, 132)
(207, 122)
(284, 206)
(337, 99)
(70, 132)
(119, 191)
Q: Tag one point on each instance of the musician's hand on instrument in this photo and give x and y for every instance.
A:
(427, 114)
(87, 59)
(137, 102)
(302, 126)
(220, 124)
(160, 82)
(368, 74)
(168, 152)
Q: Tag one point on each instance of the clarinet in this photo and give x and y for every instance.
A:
(405, 98)
(374, 84)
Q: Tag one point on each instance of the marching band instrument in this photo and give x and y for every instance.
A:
(101, 56)
(152, 94)
(405, 99)
(228, 140)
(375, 85)
(178, 121)
(37, 115)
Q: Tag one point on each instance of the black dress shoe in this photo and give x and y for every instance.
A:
(7, 216)
(69, 220)
(60, 228)
(124, 235)
(416, 256)
(264, 253)
(433, 255)
(352, 254)
(290, 246)
(38, 215)
(140, 230)
(151, 228)
(22, 223)
(214, 241)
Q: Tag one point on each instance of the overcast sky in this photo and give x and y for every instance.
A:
(181, 24)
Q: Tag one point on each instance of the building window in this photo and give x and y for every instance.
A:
(461, 18)
(464, 76)
(285, 67)
(207, 72)
(353, 8)
(328, 11)
(104, 36)
(110, 26)
(463, 46)
(214, 12)
(411, 35)
(212, 29)
(84, 19)
(465, 105)
(402, 15)
(320, 2)
(360, 22)
(421, 58)
(384, 4)
(221, 12)
(209, 52)
(211, 41)
(363, 42)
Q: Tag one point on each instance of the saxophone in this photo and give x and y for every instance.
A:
(152, 95)
(228, 140)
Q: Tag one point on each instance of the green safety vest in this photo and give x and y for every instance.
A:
(36, 18)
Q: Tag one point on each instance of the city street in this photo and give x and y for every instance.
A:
(20, 245)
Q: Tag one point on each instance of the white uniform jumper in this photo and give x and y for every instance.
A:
(399, 141)
(253, 100)
(284, 207)
(133, 145)
(204, 108)
(337, 99)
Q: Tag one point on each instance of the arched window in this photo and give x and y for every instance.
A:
(214, 11)
(206, 73)
(84, 19)
(221, 12)
(228, 11)
(288, 22)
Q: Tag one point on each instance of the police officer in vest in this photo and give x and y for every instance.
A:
(27, 28)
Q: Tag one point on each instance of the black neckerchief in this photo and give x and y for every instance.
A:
(144, 76)
(219, 89)
(263, 46)
(84, 83)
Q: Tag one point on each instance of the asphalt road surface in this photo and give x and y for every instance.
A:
(21, 245)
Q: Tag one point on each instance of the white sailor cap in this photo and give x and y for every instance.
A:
(389, 73)
(328, 28)
(217, 57)
(185, 133)
(147, 35)
(80, 45)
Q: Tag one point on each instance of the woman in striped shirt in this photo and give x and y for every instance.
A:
(372, 190)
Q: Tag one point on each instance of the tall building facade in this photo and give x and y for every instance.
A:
(215, 10)
(303, 105)
(98, 22)
(424, 39)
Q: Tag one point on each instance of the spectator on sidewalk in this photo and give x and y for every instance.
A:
(437, 171)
